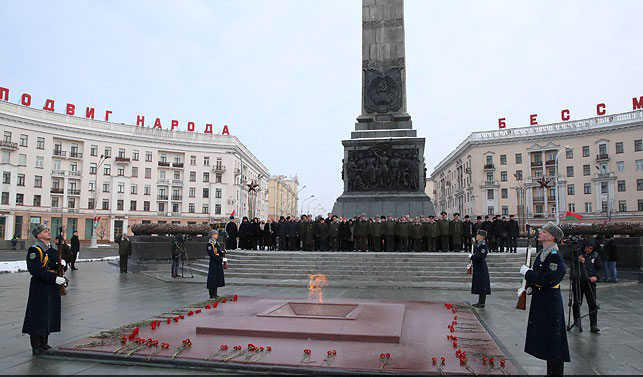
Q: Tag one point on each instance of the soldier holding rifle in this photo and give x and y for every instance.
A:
(546, 334)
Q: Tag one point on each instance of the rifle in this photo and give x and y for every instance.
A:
(522, 300)
(61, 273)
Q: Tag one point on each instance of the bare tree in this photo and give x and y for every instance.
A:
(101, 229)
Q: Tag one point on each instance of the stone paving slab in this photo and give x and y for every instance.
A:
(100, 298)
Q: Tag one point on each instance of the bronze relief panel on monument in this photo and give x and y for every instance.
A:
(382, 168)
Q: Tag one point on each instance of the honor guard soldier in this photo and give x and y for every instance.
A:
(216, 253)
(480, 283)
(455, 231)
(443, 229)
(546, 333)
(42, 316)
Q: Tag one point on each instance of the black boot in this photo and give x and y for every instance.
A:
(45, 342)
(36, 345)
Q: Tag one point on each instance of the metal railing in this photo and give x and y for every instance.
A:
(73, 192)
(161, 197)
(57, 191)
(164, 164)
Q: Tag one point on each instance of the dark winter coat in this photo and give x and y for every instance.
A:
(546, 333)
(215, 268)
(75, 248)
(124, 246)
(480, 282)
(610, 250)
(42, 316)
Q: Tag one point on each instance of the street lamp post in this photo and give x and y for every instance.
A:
(94, 242)
(567, 147)
(304, 202)
(308, 208)
(521, 190)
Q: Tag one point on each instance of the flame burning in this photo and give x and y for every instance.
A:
(315, 285)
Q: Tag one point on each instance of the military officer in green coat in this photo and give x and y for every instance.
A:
(417, 235)
(333, 234)
(455, 231)
(389, 233)
(377, 231)
(402, 232)
(431, 233)
(443, 229)
(360, 233)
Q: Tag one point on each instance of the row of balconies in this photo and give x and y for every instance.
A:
(73, 154)
(58, 190)
(4, 144)
(167, 164)
(72, 173)
(165, 197)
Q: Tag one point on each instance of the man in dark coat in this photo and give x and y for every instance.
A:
(293, 233)
(467, 234)
(480, 283)
(402, 230)
(233, 234)
(322, 235)
(513, 233)
(477, 225)
(176, 249)
(333, 234)
(503, 241)
(546, 332)
(377, 231)
(216, 253)
(497, 234)
(487, 226)
(345, 234)
(282, 233)
(245, 234)
(443, 230)
(42, 316)
(432, 234)
(361, 234)
(124, 251)
(455, 231)
(75, 248)
(417, 234)
(611, 275)
(389, 234)
(585, 268)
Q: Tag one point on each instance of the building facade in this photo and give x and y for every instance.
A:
(283, 196)
(64, 171)
(596, 163)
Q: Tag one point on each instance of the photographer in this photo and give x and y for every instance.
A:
(585, 270)
(177, 250)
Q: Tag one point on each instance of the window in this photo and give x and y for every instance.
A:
(175, 208)
(490, 210)
(604, 188)
(205, 209)
(503, 176)
(22, 159)
(21, 180)
(73, 166)
(146, 205)
(206, 161)
(121, 187)
(7, 136)
(192, 176)
(571, 207)
(119, 205)
(177, 159)
(134, 172)
(505, 210)
(6, 177)
(518, 158)
(107, 169)
(134, 155)
(55, 202)
(132, 205)
(92, 186)
(586, 170)
(147, 190)
(639, 165)
(193, 160)
(585, 151)
(602, 149)
(177, 175)
(206, 192)
(622, 206)
(40, 143)
(639, 185)
(105, 186)
(37, 181)
(569, 154)
(163, 157)
(121, 171)
(24, 140)
(619, 147)
(192, 192)
(620, 166)
(504, 193)
(191, 208)
(640, 204)
(217, 193)
(489, 177)
(92, 168)
(148, 156)
(217, 209)
(503, 159)
(588, 207)
(133, 189)
(518, 175)
(57, 164)
(206, 176)
(121, 153)
(638, 145)
(40, 162)
(93, 150)
(587, 188)
(20, 199)
(489, 159)
(604, 206)
(108, 152)
(106, 204)
(148, 173)
(161, 174)
(36, 200)
(490, 194)
(570, 189)
(621, 186)
(217, 178)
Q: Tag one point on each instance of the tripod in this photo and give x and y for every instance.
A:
(185, 257)
(575, 291)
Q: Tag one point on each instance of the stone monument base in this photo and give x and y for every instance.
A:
(394, 204)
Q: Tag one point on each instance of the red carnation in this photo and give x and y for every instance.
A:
(207, 306)
(215, 304)
(169, 320)
(224, 300)
(484, 360)
(197, 311)
(235, 298)
(491, 360)
(502, 363)
(382, 356)
(334, 352)
(442, 359)
(268, 348)
(434, 360)
(261, 349)
(455, 344)
(182, 316)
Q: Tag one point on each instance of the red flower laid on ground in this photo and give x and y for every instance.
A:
(181, 316)
(484, 360)
(443, 360)
(224, 300)
(491, 360)
(207, 306)
(190, 313)
(268, 348)
(176, 319)
(434, 360)
(123, 339)
(382, 356)
(215, 304)
(235, 298)
(169, 320)
(502, 363)
(197, 311)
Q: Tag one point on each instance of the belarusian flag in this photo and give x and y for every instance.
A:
(572, 216)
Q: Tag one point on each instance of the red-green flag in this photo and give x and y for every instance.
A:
(572, 216)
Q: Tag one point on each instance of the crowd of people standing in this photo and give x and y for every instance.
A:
(380, 233)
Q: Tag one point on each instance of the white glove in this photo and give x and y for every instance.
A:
(59, 280)
(520, 291)
(63, 263)
(524, 269)
(225, 259)
(470, 255)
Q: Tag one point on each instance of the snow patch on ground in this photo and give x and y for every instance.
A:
(21, 266)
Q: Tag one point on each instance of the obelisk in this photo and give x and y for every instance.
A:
(383, 166)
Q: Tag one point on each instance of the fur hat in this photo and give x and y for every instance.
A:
(554, 230)
(38, 229)
(482, 233)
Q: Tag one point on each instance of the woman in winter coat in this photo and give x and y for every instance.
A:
(480, 284)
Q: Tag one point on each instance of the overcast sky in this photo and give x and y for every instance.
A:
(285, 75)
